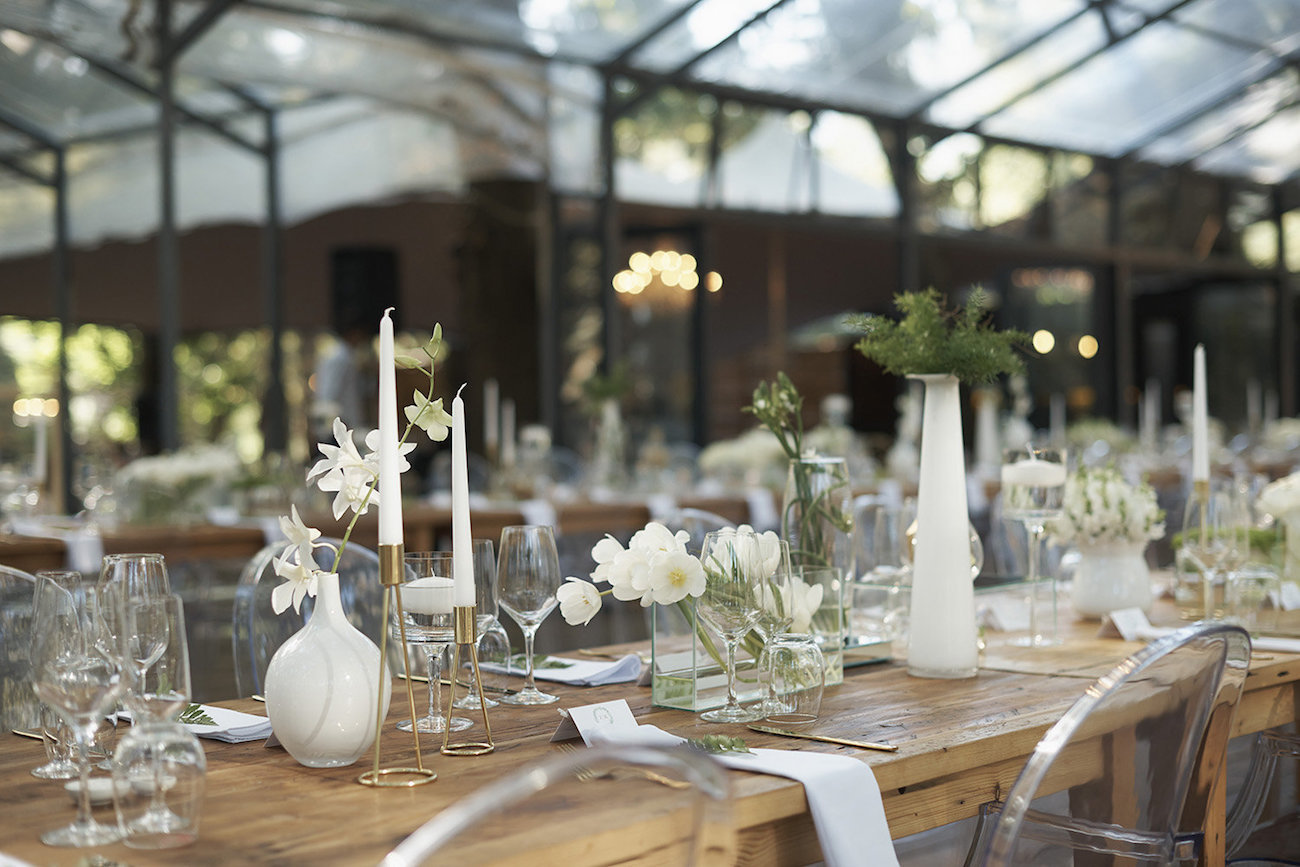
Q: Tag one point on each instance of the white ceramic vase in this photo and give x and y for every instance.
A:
(942, 635)
(321, 686)
(1110, 577)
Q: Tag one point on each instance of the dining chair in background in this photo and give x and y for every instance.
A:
(257, 631)
(670, 805)
(696, 522)
(1113, 775)
(19, 707)
(1252, 796)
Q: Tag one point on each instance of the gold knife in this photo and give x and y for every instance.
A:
(866, 745)
(26, 734)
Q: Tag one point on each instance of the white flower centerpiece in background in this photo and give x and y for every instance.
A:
(1110, 521)
(1281, 499)
(177, 487)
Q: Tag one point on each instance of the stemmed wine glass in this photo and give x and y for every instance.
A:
(774, 595)
(528, 572)
(1033, 491)
(734, 571)
(80, 671)
(426, 595)
(1215, 540)
(486, 594)
(56, 735)
(139, 575)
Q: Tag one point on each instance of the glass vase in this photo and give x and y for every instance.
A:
(686, 662)
(817, 514)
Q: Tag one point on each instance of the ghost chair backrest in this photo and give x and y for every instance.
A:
(1112, 776)
(696, 522)
(19, 707)
(660, 805)
(257, 631)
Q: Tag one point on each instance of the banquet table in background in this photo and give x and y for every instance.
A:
(961, 743)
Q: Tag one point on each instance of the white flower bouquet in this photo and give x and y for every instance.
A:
(1102, 508)
(654, 567)
(177, 487)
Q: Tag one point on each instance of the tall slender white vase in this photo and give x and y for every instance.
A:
(942, 636)
(322, 684)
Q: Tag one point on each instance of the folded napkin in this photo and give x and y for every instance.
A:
(578, 672)
(842, 794)
(232, 726)
(85, 548)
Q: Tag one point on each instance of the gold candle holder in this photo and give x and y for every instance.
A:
(463, 619)
(390, 576)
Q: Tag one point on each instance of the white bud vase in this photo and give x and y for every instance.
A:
(321, 686)
(1111, 577)
(942, 637)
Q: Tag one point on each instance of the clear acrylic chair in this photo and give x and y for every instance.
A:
(1113, 775)
(697, 522)
(580, 798)
(19, 707)
(257, 631)
(1243, 816)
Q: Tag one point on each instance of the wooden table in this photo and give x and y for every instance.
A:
(961, 743)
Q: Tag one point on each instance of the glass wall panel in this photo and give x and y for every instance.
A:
(1013, 184)
(1171, 208)
(948, 192)
(767, 167)
(1266, 153)
(1080, 200)
(853, 171)
(662, 148)
(574, 129)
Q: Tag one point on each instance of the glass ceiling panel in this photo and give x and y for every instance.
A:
(702, 28)
(1271, 23)
(1254, 106)
(887, 57)
(1268, 153)
(592, 30)
(1160, 72)
(998, 86)
(92, 25)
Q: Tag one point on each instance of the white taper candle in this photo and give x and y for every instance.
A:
(390, 478)
(462, 540)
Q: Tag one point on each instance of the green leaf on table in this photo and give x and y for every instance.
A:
(718, 744)
(195, 715)
(539, 662)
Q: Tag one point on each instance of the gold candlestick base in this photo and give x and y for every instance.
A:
(466, 635)
(390, 576)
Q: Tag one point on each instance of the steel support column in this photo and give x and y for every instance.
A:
(1286, 312)
(169, 313)
(275, 429)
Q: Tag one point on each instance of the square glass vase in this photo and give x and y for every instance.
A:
(684, 674)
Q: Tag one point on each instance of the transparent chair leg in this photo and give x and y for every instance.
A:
(978, 837)
(1249, 804)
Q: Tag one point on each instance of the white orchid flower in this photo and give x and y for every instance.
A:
(579, 601)
(300, 580)
(300, 536)
(343, 456)
(672, 576)
(429, 416)
(354, 490)
(372, 453)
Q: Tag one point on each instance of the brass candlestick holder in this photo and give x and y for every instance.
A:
(467, 636)
(390, 576)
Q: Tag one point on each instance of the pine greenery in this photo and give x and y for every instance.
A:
(931, 339)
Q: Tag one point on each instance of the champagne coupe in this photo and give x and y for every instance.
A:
(487, 610)
(56, 735)
(528, 572)
(734, 571)
(774, 596)
(1033, 490)
(426, 595)
(81, 672)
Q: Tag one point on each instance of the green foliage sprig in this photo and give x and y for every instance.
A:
(931, 339)
(718, 744)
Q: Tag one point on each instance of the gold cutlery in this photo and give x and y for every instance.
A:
(866, 745)
(23, 733)
(257, 697)
(424, 678)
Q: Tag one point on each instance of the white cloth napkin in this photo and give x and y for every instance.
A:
(580, 672)
(540, 512)
(85, 548)
(842, 793)
(232, 726)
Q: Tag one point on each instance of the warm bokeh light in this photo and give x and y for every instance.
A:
(689, 280)
(713, 281)
(639, 262)
(1087, 346)
(671, 268)
(1044, 341)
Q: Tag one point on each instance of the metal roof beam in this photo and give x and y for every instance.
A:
(645, 38)
(730, 38)
(1238, 133)
(21, 125)
(27, 172)
(178, 43)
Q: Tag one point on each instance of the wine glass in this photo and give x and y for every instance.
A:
(139, 575)
(80, 671)
(55, 734)
(774, 617)
(528, 572)
(1033, 490)
(734, 570)
(160, 693)
(426, 595)
(488, 608)
(1215, 540)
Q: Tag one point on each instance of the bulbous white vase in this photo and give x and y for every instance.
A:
(942, 635)
(1111, 577)
(321, 686)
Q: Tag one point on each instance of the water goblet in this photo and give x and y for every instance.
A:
(81, 672)
(55, 734)
(138, 575)
(1033, 491)
(1215, 541)
(775, 614)
(736, 563)
(426, 595)
(528, 572)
